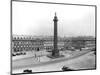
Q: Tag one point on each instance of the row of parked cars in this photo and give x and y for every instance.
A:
(64, 68)
(18, 53)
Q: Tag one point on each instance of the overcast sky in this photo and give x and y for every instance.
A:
(37, 19)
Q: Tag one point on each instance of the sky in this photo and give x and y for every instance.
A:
(37, 19)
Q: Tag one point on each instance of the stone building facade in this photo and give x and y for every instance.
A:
(36, 44)
(29, 44)
(26, 44)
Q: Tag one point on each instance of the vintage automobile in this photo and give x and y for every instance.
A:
(27, 71)
(67, 69)
(18, 53)
(13, 54)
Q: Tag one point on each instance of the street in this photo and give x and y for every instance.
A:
(50, 64)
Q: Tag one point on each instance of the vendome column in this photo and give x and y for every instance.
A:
(55, 51)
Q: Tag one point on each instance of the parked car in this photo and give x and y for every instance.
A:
(13, 54)
(20, 53)
(27, 71)
(67, 69)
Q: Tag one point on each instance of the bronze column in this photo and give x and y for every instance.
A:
(55, 51)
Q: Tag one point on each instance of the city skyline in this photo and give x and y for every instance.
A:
(36, 19)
